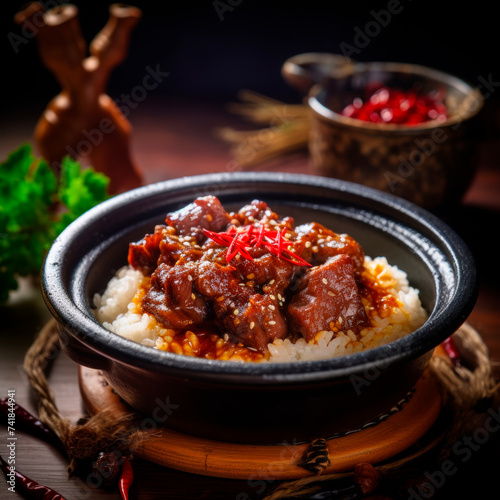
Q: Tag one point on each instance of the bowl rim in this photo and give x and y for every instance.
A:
(87, 330)
(473, 98)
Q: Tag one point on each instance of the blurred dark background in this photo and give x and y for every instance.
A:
(212, 49)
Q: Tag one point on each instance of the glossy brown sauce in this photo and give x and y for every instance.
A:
(204, 341)
(209, 301)
(377, 294)
(201, 342)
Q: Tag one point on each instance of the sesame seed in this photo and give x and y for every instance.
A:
(273, 222)
(272, 297)
(272, 307)
(209, 217)
(252, 324)
(330, 293)
(324, 281)
(321, 241)
(190, 278)
(340, 319)
(220, 298)
(315, 249)
(235, 222)
(272, 322)
(236, 312)
(271, 282)
(250, 276)
(308, 244)
(226, 337)
(193, 296)
(232, 305)
(186, 243)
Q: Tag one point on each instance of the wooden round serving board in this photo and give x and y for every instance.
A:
(197, 455)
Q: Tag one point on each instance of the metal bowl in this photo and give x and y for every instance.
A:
(261, 402)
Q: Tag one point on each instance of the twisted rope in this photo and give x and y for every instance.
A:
(82, 441)
(468, 390)
(38, 357)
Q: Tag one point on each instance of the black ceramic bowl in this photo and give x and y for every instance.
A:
(261, 403)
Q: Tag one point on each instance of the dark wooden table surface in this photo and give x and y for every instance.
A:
(175, 138)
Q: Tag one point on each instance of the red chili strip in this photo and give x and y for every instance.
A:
(247, 234)
(258, 242)
(126, 479)
(296, 259)
(26, 486)
(219, 238)
(28, 423)
(232, 249)
(238, 241)
(244, 253)
(279, 238)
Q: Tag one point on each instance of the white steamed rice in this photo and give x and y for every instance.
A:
(117, 312)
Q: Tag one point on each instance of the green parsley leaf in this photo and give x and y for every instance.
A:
(35, 206)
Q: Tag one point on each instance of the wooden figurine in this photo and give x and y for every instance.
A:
(82, 121)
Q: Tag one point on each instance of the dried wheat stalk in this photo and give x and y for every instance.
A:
(285, 129)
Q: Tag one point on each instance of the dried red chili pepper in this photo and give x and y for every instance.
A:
(238, 241)
(367, 476)
(27, 487)
(387, 105)
(126, 478)
(28, 423)
(451, 350)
